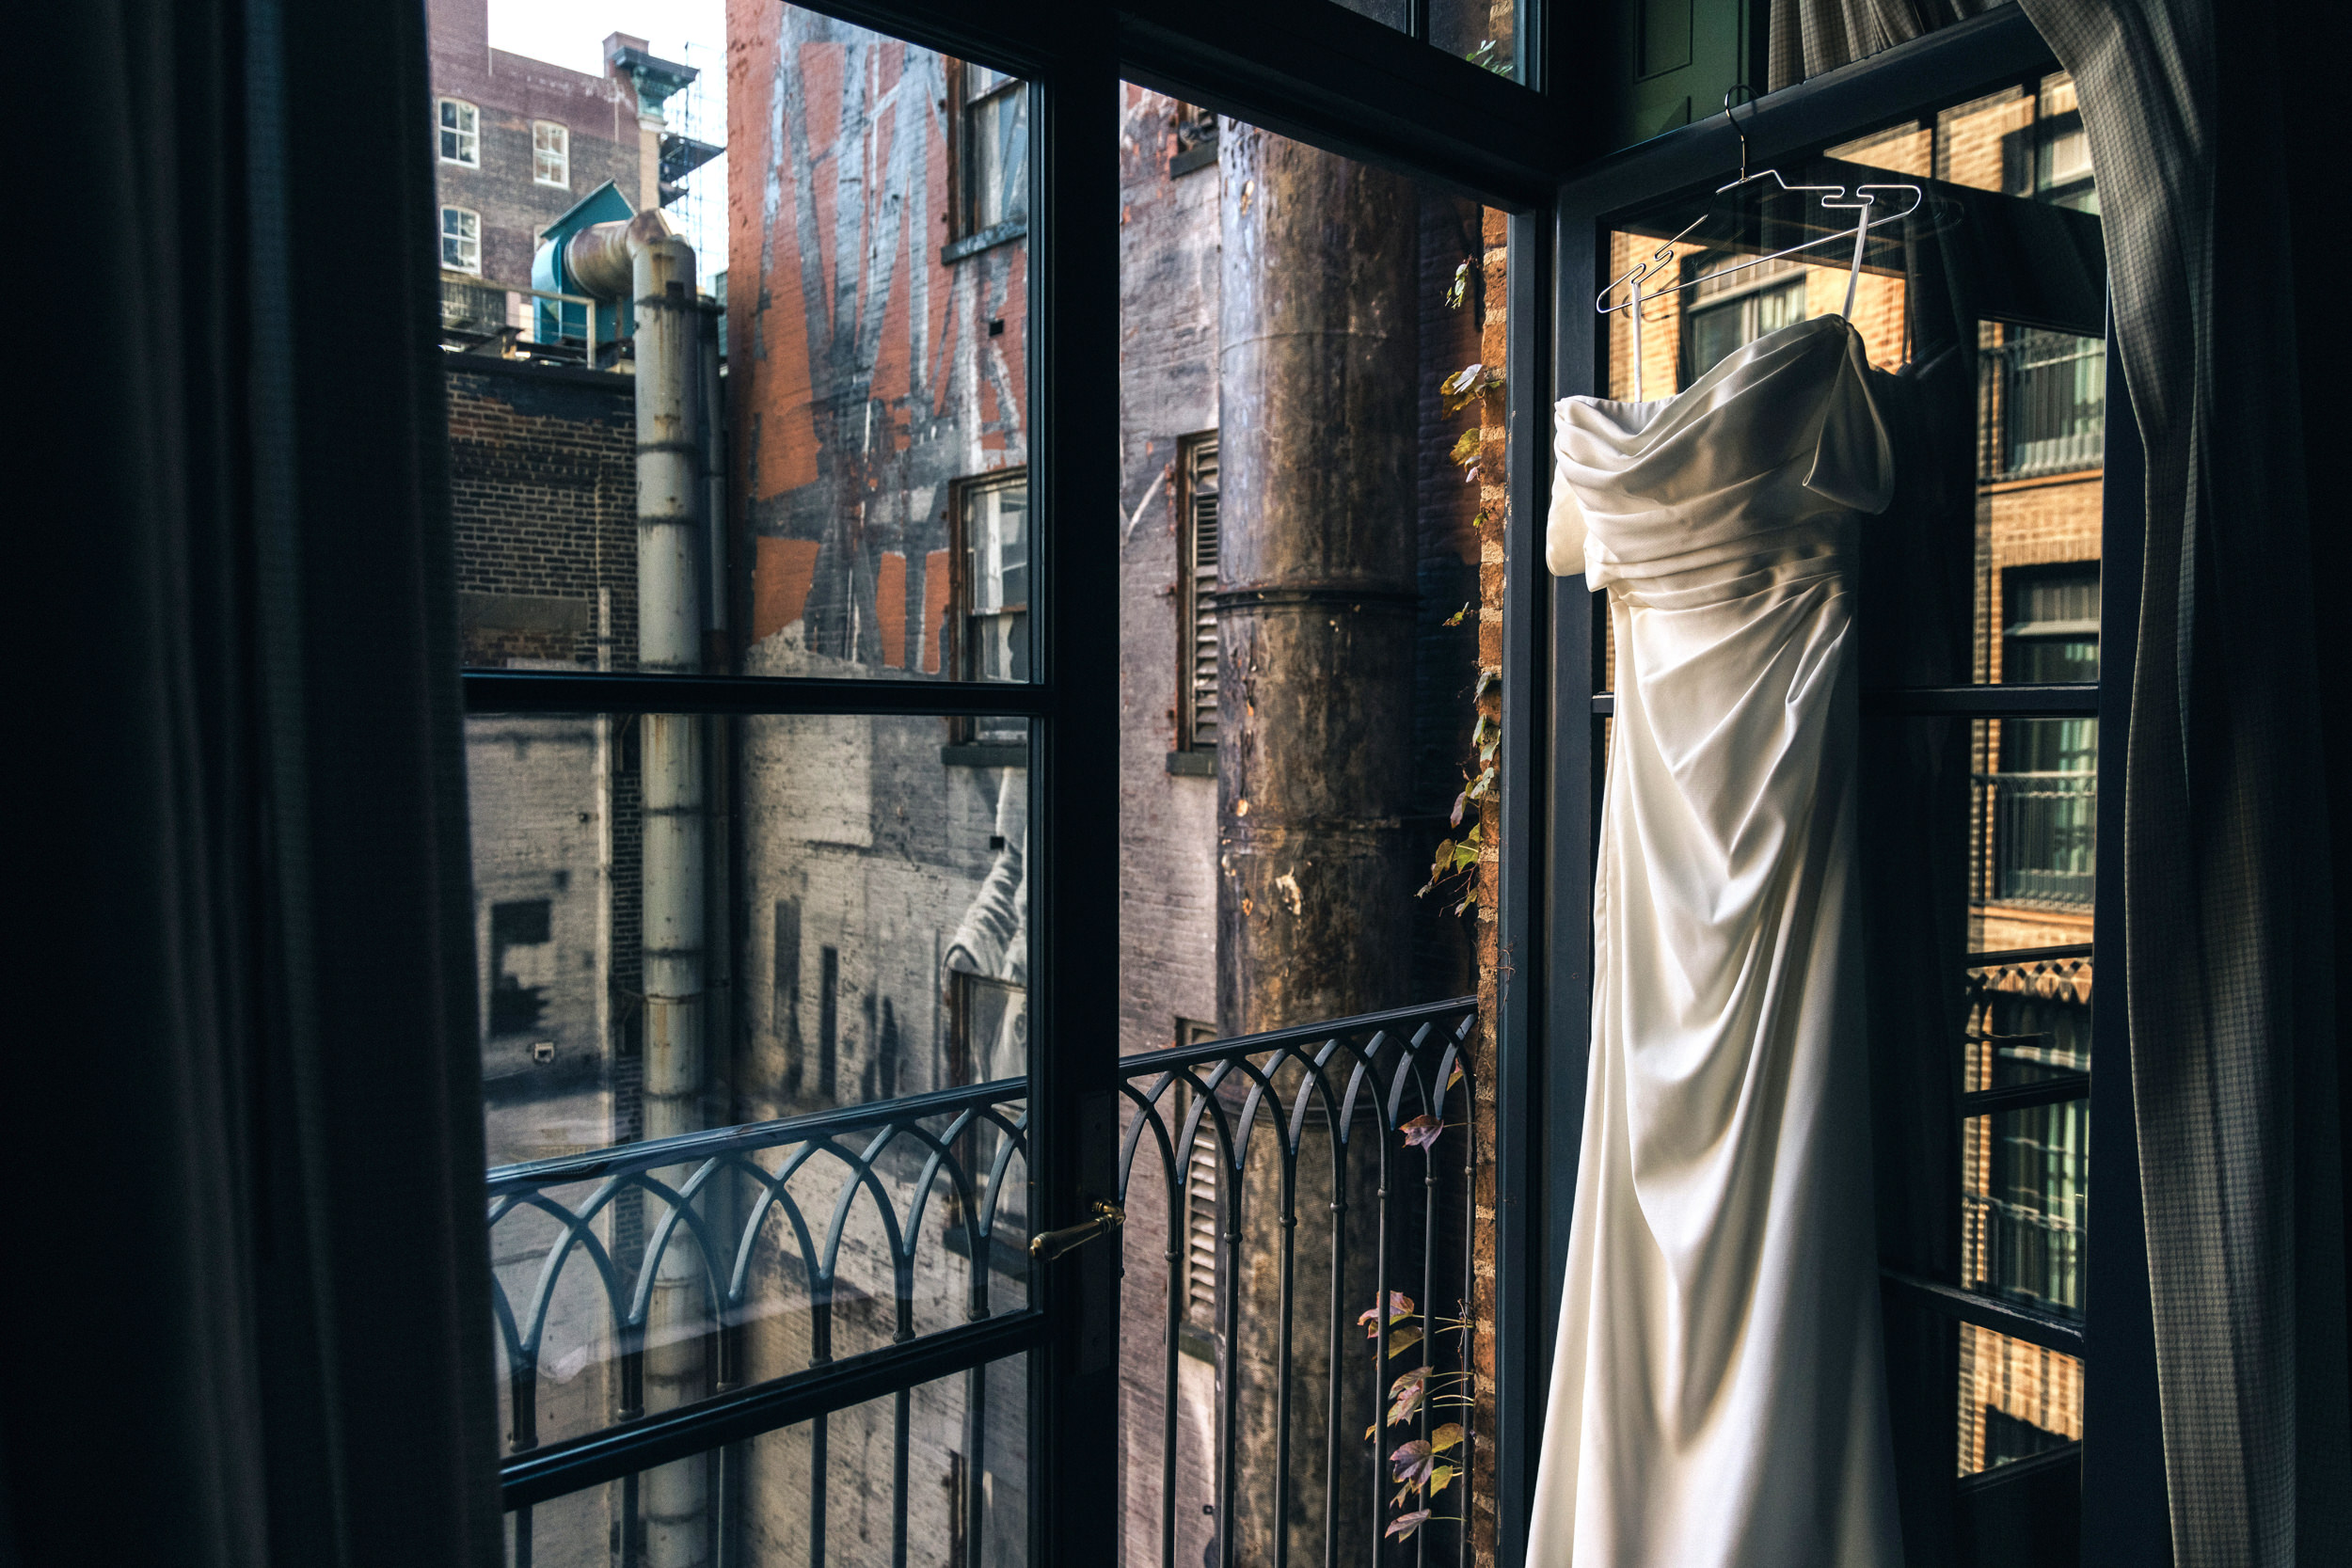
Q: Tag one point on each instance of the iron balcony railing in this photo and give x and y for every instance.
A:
(511, 322)
(2043, 850)
(689, 1268)
(2042, 405)
(807, 1227)
(1338, 1165)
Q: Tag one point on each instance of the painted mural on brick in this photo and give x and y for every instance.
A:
(880, 331)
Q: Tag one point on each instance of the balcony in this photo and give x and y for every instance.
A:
(1275, 1188)
(2043, 400)
(506, 322)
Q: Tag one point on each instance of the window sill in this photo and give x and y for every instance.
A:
(971, 245)
(978, 754)
(1193, 765)
(1203, 156)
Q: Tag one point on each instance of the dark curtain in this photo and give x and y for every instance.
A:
(246, 1300)
(2228, 891)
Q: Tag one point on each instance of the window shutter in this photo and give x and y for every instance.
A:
(1200, 552)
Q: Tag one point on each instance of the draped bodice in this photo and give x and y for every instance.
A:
(1756, 465)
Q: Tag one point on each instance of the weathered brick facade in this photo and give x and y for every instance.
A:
(511, 91)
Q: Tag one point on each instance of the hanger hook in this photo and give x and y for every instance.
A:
(1728, 120)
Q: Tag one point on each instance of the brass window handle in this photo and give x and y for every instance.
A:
(1053, 1243)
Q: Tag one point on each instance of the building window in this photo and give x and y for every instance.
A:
(992, 589)
(1729, 309)
(2044, 800)
(1196, 591)
(2062, 148)
(461, 132)
(550, 154)
(995, 153)
(521, 964)
(2045, 403)
(461, 240)
(1196, 139)
(987, 1027)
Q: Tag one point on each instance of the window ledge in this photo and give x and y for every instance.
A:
(971, 245)
(1204, 155)
(1193, 765)
(972, 754)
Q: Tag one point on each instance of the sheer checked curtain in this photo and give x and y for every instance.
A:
(246, 1301)
(2204, 136)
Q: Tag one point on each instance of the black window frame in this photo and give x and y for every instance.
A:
(1302, 68)
(1546, 907)
(1533, 147)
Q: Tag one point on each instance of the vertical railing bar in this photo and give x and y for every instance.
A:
(819, 1429)
(975, 1444)
(903, 1406)
(1288, 1224)
(522, 1536)
(1379, 1301)
(1178, 1188)
(1470, 1364)
(1229, 1389)
(1334, 1373)
(628, 1520)
(1429, 1289)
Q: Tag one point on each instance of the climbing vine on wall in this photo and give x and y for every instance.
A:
(1454, 869)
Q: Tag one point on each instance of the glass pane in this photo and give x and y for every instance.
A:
(2016, 1400)
(937, 1475)
(693, 924)
(1313, 379)
(1480, 31)
(1992, 294)
(867, 368)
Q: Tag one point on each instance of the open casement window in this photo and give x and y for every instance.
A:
(460, 133)
(2010, 1241)
(1196, 652)
(793, 751)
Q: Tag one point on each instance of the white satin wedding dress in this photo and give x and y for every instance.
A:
(1718, 1398)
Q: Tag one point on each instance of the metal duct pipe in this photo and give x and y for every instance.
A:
(657, 268)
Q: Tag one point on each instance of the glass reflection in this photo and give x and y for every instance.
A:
(2016, 1400)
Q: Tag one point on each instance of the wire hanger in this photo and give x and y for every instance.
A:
(1833, 197)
